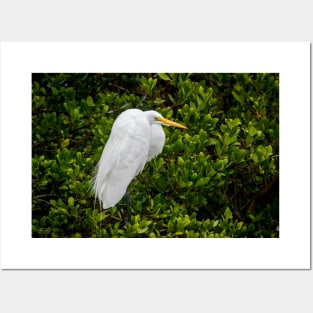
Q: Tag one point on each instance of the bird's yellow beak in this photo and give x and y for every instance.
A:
(169, 123)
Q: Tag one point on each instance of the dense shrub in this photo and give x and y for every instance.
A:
(218, 178)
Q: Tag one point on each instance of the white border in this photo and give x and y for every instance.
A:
(20, 251)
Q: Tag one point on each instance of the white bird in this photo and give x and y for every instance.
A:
(136, 137)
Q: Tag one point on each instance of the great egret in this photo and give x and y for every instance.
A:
(136, 137)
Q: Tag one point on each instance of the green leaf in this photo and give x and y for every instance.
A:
(254, 158)
(228, 140)
(215, 223)
(180, 161)
(240, 155)
(252, 131)
(238, 97)
(65, 143)
(53, 203)
(239, 225)
(228, 214)
(183, 184)
(163, 76)
(90, 101)
(203, 181)
(220, 164)
(70, 201)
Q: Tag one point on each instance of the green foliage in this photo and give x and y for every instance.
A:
(218, 178)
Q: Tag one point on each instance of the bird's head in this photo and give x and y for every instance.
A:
(157, 118)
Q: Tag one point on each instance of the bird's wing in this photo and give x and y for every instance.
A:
(123, 157)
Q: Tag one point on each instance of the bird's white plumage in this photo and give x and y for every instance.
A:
(136, 137)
